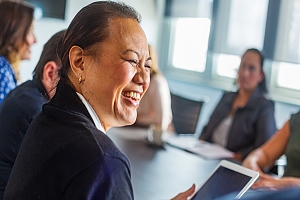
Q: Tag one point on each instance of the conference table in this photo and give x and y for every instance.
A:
(159, 172)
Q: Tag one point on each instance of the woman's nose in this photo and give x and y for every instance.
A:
(34, 39)
(142, 76)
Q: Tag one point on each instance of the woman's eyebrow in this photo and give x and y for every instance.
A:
(131, 50)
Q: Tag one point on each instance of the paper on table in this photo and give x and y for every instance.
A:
(205, 149)
(212, 151)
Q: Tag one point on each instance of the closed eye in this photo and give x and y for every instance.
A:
(133, 62)
(148, 64)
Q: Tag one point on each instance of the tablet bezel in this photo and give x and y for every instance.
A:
(235, 167)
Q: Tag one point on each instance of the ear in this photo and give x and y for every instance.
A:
(50, 75)
(262, 76)
(76, 61)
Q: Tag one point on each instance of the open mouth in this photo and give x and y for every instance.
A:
(132, 95)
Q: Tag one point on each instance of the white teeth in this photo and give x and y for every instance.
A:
(131, 94)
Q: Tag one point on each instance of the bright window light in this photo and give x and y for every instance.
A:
(246, 25)
(191, 43)
(288, 76)
(227, 65)
(38, 13)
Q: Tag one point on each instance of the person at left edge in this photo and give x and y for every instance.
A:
(16, 39)
(23, 103)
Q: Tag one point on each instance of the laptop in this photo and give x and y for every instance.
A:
(226, 178)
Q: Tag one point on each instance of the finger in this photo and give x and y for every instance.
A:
(266, 176)
(191, 190)
(184, 195)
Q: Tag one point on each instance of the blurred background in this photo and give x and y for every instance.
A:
(199, 44)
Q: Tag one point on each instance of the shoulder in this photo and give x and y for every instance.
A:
(77, 133)
(228, 98)
(4, 66)
(266, 100)
(158, 79)
(7, 77)
(295, 118)
(159, 83)
(25, 96)
(3, 61)
(74, 141)
(228, 94)
(101, 148)
(261, 100)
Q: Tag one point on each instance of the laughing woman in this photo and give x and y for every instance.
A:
(105, 72)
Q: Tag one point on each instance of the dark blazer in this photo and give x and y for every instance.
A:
(16, 113)
(252, 125)
(64, 156)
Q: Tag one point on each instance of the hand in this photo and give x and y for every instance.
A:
(238, 156)
(269, 182)
(265, 181)
(251, 164)
(186, 194)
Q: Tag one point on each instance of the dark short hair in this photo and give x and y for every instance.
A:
(90, 26)
(15, 20)
(262, 85)
(50, 53)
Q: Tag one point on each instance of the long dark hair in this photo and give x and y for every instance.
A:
(90, 26)
(15, 20)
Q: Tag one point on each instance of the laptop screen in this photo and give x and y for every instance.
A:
(222, 182)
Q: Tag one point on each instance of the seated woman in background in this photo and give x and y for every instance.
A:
(243, 120)
(16, 39)
(285, 141)
(155, 107)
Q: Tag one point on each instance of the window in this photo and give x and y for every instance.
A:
(189, 23)
(227, 65)
(286, 65)
(190, 43)
(203, 40)
(288, 42)
(245, 29)
(246, 25)
(288, 76)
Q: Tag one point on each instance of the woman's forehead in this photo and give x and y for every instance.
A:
(127, 34)
(126, 27)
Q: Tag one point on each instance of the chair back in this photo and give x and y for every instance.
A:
(186, 112)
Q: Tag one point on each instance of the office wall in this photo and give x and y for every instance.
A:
(46, 27)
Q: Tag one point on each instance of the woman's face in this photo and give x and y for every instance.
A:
(24, 50)
(119, 75)
(250, 73)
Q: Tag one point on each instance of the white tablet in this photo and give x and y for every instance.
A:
(226, 178)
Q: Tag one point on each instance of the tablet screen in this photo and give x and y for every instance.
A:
(222, 182)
